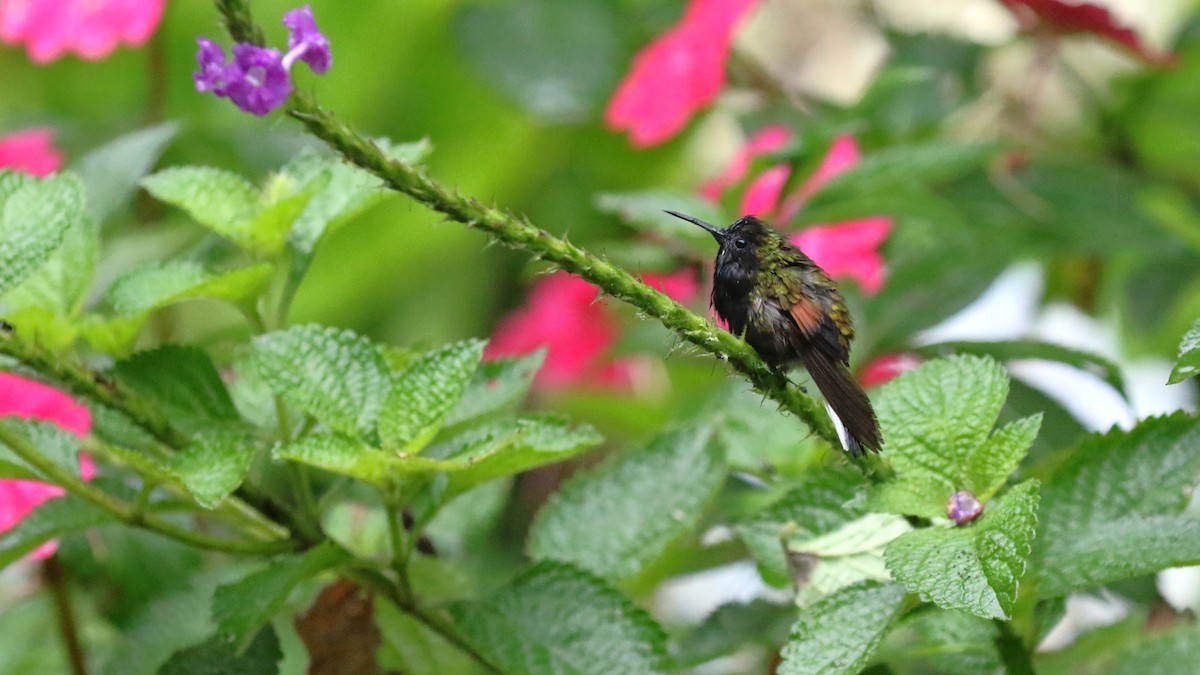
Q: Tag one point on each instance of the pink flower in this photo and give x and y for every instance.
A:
(682, 71)
(1065, 18)
(27, 399)
(564, 314)
(90, 28)
(31, 151)
(844, 250)
(887, 367)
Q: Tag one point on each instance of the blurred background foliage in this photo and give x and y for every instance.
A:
(1089, 171)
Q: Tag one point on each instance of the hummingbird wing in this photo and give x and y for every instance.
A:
(818, 309)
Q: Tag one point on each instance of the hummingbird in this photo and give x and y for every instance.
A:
(790, 311)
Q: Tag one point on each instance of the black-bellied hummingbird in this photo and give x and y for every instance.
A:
(791, 312)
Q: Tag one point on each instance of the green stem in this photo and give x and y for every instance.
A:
(55, 579)
(395, 518)
(371, 579)
(129, 513)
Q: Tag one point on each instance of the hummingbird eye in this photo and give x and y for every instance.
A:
(740, 243)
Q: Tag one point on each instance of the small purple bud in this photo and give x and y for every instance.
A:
(214, 73)
(963, 507)
(306, 42)
(261, 83)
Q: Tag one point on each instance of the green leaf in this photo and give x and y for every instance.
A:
(424, 392)
(217, 656)
(557, 60)
(557, 619)
(182, 383)
(497, 386)
(60, 286)
(222, 201)
(839, 633)
(1114, 508)
(54, 518)
(825, 499)
(35, 215)
(936, 421)
(974, 568)
(111, 172)
(213, 465)
(337, 376)
(509, 447)
(615, 519)
(1175, 651)
(644, 211)
(948, 642)
(242, 607)
(341, 455)
(412, 648)
(732, 626)
(141, 291)
(50, 440)
(345, 190)
(1009, 350)
(852, 553)
(1188, 363)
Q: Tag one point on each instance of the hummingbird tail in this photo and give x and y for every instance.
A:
(846, 399)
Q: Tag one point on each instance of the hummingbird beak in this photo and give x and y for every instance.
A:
(716, 232)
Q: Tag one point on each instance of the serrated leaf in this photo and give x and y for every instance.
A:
(1188, 363)
(217, 656)
(182, 383)
(141, 291)
(213, 465)
(61, 284)
(825, 499)
(644, 211)
(242, 607)
(497, 386)
(615, 519)
(337, 376)
(1114, 508)
(731, 626)
(50, 440)
(34, 216)
(850, 554)
(950, 642)
(839, 633)
(936, 421)
(424, 392)
(974, 568)
(507, 448)
(1008, 350)
(341, 455)
(219, 200)
(345, 191)
(112, 171)
(557, 619)
(54, 518)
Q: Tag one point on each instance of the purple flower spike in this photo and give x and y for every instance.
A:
(261, 83)
(214, 74)
(963, 507)
(306, 42)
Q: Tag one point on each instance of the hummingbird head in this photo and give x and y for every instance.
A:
(744, 243)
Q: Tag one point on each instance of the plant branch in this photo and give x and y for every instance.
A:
(129, 513)
(55, 579)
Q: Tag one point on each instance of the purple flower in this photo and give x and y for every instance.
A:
(257, 79)
(261, 83)
(214, 72)
(306, 42)
(963, 507)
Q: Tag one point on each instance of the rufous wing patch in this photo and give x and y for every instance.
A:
(807, 314)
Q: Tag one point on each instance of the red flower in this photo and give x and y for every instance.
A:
(31, 151)
(1062, 18)
(844, 250)
(24, 398)
(563, 313)
(90, 28)
(682, 71)
(887, 367)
